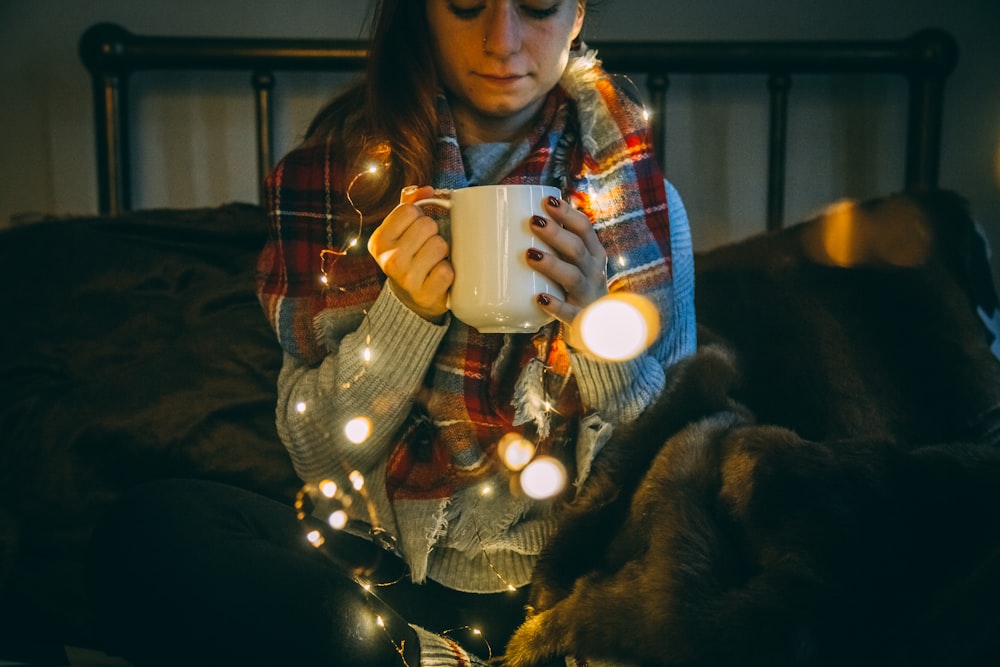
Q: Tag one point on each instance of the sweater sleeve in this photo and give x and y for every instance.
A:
(620, 391)
(369, 381)
(353, 353)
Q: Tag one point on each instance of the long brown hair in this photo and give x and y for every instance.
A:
(399, 76)
(390, 116)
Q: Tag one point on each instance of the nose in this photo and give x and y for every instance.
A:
(503, 30)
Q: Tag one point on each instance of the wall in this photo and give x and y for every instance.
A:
(46, 143)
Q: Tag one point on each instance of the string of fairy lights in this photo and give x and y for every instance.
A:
(617, 327)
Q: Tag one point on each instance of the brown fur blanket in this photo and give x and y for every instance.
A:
(821, 487)
(732, 543)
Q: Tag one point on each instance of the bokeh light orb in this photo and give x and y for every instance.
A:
(358, 429)
(617, 327)
(543, 478)
(337, 519)
(515, 451)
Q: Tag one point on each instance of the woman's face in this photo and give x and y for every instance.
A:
(499, 59)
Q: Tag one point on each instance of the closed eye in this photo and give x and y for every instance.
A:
(531, 11)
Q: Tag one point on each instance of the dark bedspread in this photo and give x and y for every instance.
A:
(134, 348)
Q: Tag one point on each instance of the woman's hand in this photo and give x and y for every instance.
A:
(580, 262)
(414, 256)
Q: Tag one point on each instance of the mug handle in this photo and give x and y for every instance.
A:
(444, 203)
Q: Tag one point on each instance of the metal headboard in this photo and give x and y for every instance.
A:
(112, 54)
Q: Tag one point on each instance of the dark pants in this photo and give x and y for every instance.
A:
(189, 572)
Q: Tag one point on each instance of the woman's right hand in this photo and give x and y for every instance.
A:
(414, 256)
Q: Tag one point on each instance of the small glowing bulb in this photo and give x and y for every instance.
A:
(543, 478)
(476, 631)
(358, 429)
(300, 407)
(486, 490)
(515, 451)
(381, 623)
(323, 279)
(618, 326)
(365, 584)
(315, 538)
(328, 488)
(511, 588)
(372, 169)
(645, 113)
(621, 260)
(357, 480)
(337, 520)
(353, 242)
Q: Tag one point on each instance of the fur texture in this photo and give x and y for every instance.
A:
(711, 540)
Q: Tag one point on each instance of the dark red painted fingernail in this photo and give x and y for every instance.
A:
(543, 299)
(554, 202)
(538, 221)
(535, 254)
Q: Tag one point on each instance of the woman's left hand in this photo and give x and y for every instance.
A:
(579, 262)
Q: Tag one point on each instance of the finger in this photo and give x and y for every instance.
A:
(557, 308)
(418, 247)
(400, 218)
(576, 222)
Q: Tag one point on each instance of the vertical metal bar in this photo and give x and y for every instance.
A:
(263, 85)
(923, 134)
(934, 56)
(112, 143)
(778, 86)
(657, 84)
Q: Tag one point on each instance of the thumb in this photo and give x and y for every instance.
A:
(412, 193)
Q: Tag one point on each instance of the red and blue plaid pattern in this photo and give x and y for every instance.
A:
(451, 441)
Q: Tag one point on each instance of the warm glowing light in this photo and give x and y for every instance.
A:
(621, 260)
(366, 354)
(645, 113)
(381, 623)
(486, 490)
(315, 538)
(618, 326)
(328, 488)
(300, 407)
(337, 520)
(323, 279)
(894, 233)
(358, 429)
(515, 451)
(543, 478)
(357, 480)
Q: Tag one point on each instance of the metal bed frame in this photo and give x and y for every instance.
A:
(925, 59)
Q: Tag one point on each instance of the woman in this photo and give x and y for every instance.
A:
(457, 93)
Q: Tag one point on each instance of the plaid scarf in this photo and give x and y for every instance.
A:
(592, 141)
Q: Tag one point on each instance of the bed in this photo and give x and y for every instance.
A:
(135, 348)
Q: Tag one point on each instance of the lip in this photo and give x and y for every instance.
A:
(501, 78)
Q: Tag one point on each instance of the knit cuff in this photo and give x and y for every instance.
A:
(439, 651)
(619, 390)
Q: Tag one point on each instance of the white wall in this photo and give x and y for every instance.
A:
(715, 126)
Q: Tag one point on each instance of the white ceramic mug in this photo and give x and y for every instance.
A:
(495, 288)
